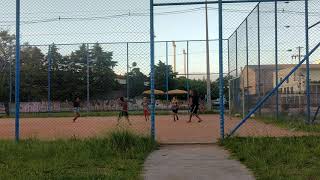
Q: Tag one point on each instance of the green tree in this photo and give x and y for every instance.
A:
(160, 71)
(215, 85)
(6, 55)
(136, 82)
(62, 75)
(103, 77)
(33, 74)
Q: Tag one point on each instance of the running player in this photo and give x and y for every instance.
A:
(175, 109)
(124, 110)
(194, 106)
(145, 105)
(76, 108)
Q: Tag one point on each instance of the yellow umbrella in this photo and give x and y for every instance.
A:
(157, 92)
(177, 92)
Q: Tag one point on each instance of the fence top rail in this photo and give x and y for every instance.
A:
(133, 42)
(216, 2)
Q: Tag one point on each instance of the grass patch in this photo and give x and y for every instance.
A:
(119, 156)
(292, 123)
(292, 158)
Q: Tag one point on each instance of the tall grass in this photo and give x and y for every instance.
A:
(290, 158)
(296, 123)
(119, 156)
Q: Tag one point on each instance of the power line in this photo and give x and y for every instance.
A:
(191, 10)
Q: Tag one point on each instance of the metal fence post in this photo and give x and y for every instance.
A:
(229, 58)
(88, 79)
(17, 86)
(276, 56)
(247, 70)
(221, 79)
(128, 66)
(152, 83)
(259, 57)
(10, 78)
(188, 86)
(237, 53)
(167, 73)
(49, 77)
(307, 61)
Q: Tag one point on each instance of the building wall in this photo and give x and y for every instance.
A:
(248, 80)
(252, 84)
(266, 81)
(297, 82)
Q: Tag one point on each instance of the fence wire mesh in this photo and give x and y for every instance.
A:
(262, 52)
(70, 49)
(99, 51)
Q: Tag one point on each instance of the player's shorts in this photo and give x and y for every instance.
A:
(123, 113)
(76, 109)
(175, 111)
(194, 109)
(146, 112)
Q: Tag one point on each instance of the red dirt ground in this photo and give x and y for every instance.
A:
(167, 131)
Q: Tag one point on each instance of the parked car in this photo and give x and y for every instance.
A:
(216, 102)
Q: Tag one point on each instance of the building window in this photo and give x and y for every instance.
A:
(291, 90)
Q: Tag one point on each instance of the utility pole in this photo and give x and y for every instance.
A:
(174, 56)
(209, 104)
(10, 78)
(185, 62)
(299, 52)
(298, 56)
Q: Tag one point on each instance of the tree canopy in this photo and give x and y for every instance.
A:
(68, 74)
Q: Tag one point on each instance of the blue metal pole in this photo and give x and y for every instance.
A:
(247, 70)
(49, 78)
(261, 102)
(88, 79)
(276, 55)
(17, 88)
(152, 83)
(188, 85)
(215, 2)
(307, 61)
(237, 53)
(228, 57)
(167, 73)
(221, 85)
(259, 57)
(128, 66)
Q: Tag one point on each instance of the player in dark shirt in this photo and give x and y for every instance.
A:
(194, 108)
(76, 108)
(124, 110)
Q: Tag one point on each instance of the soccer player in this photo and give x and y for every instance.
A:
(76, 108)
(124, 110)
(194, 106)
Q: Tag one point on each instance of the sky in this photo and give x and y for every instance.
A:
(80, 21)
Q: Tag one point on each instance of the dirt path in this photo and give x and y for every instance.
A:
(190, 162)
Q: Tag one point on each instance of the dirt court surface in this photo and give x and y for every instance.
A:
(167, 131)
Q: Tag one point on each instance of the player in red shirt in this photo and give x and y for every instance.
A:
(124, 110)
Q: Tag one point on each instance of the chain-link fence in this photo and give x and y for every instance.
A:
(53, 76)
(264, 49)
(100, 51)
